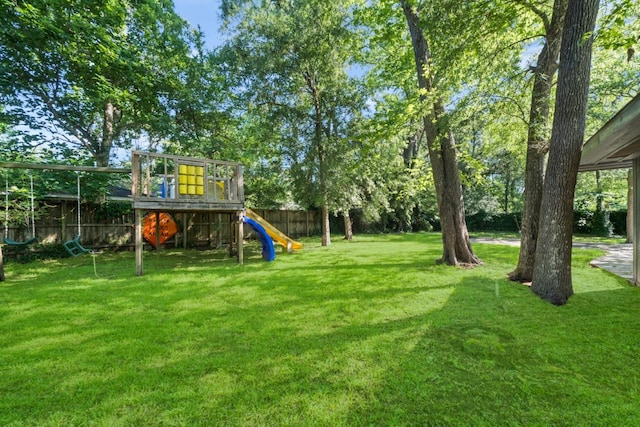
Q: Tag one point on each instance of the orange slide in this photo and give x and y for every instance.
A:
(278, 236)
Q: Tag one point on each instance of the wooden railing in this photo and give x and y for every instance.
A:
(166, 182)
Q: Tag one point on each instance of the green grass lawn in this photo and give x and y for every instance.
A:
(369, 332)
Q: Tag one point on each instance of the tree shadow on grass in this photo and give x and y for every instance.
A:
(500, 356)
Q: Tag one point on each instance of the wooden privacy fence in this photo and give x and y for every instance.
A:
(58, 224)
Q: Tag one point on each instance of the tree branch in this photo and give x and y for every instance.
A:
(536, 10)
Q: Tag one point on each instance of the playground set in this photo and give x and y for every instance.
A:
(163, 185)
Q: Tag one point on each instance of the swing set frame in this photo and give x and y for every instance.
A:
(72, 246)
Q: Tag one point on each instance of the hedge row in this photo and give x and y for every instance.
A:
(584, 222)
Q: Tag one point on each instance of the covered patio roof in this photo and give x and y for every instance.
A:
(617, 143)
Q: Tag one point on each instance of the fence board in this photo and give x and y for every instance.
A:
(59, 223)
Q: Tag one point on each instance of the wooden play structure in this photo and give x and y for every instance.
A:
(163, 186)
(163, 183)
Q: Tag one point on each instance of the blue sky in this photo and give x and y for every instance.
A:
(206, 14)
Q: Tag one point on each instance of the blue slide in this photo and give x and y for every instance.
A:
(268, 251)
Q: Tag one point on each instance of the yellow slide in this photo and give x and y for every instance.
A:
(278, 236)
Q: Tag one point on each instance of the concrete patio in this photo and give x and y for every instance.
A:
(618, 259)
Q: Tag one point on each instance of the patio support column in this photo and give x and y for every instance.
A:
(636, 220)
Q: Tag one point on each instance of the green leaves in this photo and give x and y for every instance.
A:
(290, 60)
(620, 25)
(94, 73)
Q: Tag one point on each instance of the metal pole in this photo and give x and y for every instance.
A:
(6, 208)
(33, 217)
(78, 193)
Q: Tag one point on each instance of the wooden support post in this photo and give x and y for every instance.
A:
(135, 176)
(185, 230)
(157, 231)
(218, 231)
(139, 243)
(63, 221)
(287, 228)
(630, 206)
(636, 221)
(135, 193)
(240, 224)
(240, 184)
(231, 233)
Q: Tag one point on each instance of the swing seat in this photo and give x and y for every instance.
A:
(19, 244)
(74, 248)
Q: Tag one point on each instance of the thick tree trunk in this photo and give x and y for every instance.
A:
(444, 163)
(537, 141)
(348, 225)
(552, 266)
(1, 265)
(102, 152)
(442, 153)
(326, 229)
(317, 140)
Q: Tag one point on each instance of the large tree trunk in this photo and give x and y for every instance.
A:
(552, 266)
(348, 225)
(317, 140)
(537, 140)
(442, 153)
(102, 151)
(1, 265)
(326, 229)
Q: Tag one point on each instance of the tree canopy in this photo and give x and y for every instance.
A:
(92, 75)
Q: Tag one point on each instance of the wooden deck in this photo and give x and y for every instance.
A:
(175, 183)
